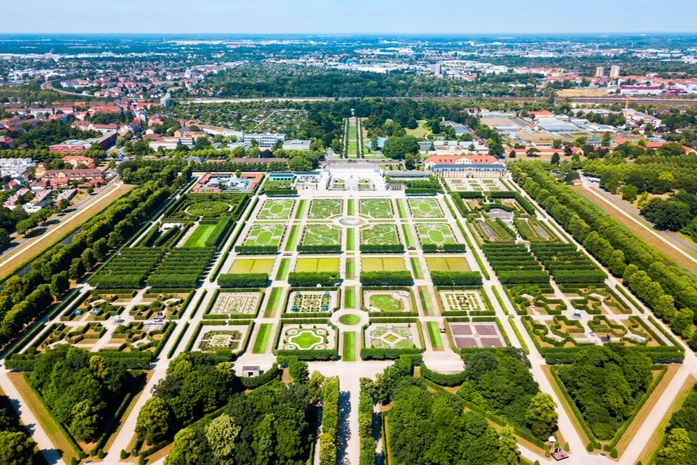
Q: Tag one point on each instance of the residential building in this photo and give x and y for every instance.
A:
(14, 167)
(76, 160)
(297, 144)
(266, 140)
(166, 101)
(599, 72)
(614, 72)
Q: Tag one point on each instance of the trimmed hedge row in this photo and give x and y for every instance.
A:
(308, 279)
(382, 248)
(456, 278)
(249, 280)
(319, 249)
(256, 249)
(310, 355)
(386, 278)
(253, 382)
(449, 380)
(444, 248)
(387, 354)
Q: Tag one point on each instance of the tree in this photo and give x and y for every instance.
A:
(409, 161)
(512, 154)
(59, 283)
(532, 152)
(607, 140)
(16, 448)
(675, 450)
(556, 143)
(153, 421)
(86, 420)
(555, 158)
(435, 127)
(508, 445)
(300, 163)
(221, 434)
(185, 450)
(541, 415)
(629, 193)
(5, 240)
(397, 147)
(238, 174)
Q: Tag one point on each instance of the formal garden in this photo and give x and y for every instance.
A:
(392, 336)
(438, 234)
(222, 338)
(276, 209)
(236, 303)
(265, 235)
(388, 301)
(376, 208)
(251, 266)
(462, 301)
(380, 234)
(317, 265)
(470, 336)
(425, 208)
(321, 235)
(324, 209)
(307, 337)
(312, 301)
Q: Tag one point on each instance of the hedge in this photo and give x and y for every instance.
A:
(308, 279)
(256, 249)
(310, 355)
(421, 191)
(319, 249)
(449, 380)
(382, 248)
(456, 278)
(386, 278)
(249, 280)
(387, 354)
(280, 192)
(445, 248)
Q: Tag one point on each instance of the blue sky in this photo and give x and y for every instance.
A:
(353, 16)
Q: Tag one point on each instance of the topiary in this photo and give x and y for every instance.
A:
(100, 454)
(124, 455)
(566, 447)
(614, 454)
(590, 447)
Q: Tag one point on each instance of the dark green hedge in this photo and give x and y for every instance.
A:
(249, 280)
(307, 279)
(386, 278)
(387, 354)
(456, 278)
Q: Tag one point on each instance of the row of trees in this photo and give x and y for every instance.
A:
(681, 435)
(16, 446)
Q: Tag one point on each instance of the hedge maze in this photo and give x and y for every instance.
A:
(513, 264)
(182, 268)
(376, 208)
(567, 265)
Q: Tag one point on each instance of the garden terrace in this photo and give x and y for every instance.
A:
(393, 336)
(305, 301)
(566, 264)
(436, 237)
(425, 208)
(128, 269)
(494, 231)
(323, 209)
(369, 264)
(182, 268)
(216, 337)
(307, 337)
(276, 209)
(513, 264)
(384, 301)
(263, 236)
(376, 208)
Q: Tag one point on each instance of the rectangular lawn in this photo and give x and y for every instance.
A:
(265, 235)
(351, 239)
(350, 268)
(200, 236)
(292, 238)
(425, 208)
(322, 209)
(434, 335)
(262, 338)
(416, 266)
(383, 264)
(244, 266)
(377, 208)
(317, 265)
(349, 352)
(283, 269)
(272, 304)
(350, 298)
(447, 264)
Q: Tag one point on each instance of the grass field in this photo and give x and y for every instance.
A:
(265, 235)
(262, 338)
(426, 303)
(408, 236)
(276, 209)
(283, 269)
(244, 266)
(292, 238)
(349, 352)
(321, 234)
(416, 265)
(350, 319)
(425, 208)
(382, 264)
(200, 235)
(322, 209)
(301, 209)
(46, 421)
(377, 208)
(447, 264)
(386, 303)
(401, 209)
(380, 234)
(350, 268)
(350, 297)
(317, 265)
(351, 239)
(351, 207)
(434, 335)
(435, 233)
(35, 245)
(272, 304)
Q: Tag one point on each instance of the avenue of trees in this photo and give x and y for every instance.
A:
(681, 435)
(16, 446)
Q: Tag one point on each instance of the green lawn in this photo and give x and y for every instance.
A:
(377, 208)
(416, 265)
(350, 268)
(386, 303)
(434, 334)
(435, 233)
(408, 237)
(301, 209)
(322, 209)
(350, 319)
(350, 298)
(276, 209)
(283, 269)
(350, 238)
(265, 235)
(272, 305)
(290, 245)
(321, 234)
(317, 265)
(351, 207)
(425, 208)
(246, 266)
(425, 301)
(380, 234)
(400, 208)
(349, 352)
(306, 339)
(200, 236)
(262, 338)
